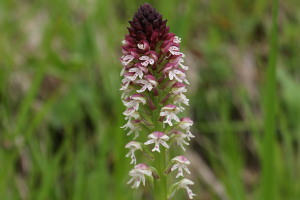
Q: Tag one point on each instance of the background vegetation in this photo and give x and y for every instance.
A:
(60, 108)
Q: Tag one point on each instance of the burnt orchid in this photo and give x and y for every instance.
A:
(154, 85)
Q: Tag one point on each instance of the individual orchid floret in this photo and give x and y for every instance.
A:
(174, 50)
(125, 83)
(126, 91)
(177, 74)
(129, 76)
(170, 112)
(157, 138)
(134, 101)
(182, 65)
(134, 126)
(139, 98)
(131, 113)
(133, 146)
(180, 139)
(180, 163)
(126, 59)
(177, 39)
(186, 123)
(143, 45)
(146, 60)
(184, 184)
(138, 72)
(178, 88)
(179, 99)
(174, 73)
(138, 174)
(149, 83)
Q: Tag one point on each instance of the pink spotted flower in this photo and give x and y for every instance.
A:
(157, 138)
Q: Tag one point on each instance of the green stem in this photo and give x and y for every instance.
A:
(160, 186)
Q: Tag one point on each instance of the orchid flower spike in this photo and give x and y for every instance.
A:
(154, 90)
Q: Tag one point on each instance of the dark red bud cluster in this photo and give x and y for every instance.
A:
(147, 24)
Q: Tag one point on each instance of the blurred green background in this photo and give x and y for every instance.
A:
(60, 107)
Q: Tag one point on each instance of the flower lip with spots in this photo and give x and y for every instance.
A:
(134, 126)
(157, 138)
(180, 163)
(133, 146)
(180, 139)
(138, 174)
(170, 112)
(184, 184)
(186, 123)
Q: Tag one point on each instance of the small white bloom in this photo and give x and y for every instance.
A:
(137, 72)
(125, 83)
(177, 74)
(182, 65)
(124, 42)
(157, 138)
(177, 39)
(189, 135)
(149, 83)
(181, 98)
(174, 50)
(180, 139)
(169, 112)
(186, 123)
(131, 113)
(138, 175)
(134, 101)
(134, 127)
(184, 184)
(133, 146)
(126, 59)
(147, 60)
(131, 76)
(181, 163)
(141, 46)
(126, 91)
(145, 85)
(139, 98)
(178, 88)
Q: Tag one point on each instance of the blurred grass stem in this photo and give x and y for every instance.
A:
(268, 186)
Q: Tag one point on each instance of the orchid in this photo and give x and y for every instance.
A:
(157, 138)
(133, 146)
(138, 175)
(153, 93)
(181, 163)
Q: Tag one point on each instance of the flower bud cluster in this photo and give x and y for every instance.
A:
(154, 85)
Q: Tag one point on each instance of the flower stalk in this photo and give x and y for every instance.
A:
(153, 86)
